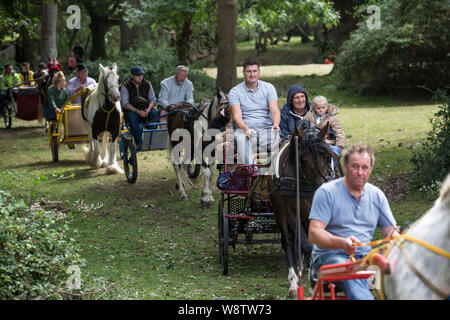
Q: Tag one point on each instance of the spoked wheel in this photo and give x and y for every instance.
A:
(130, 160)
(193, 170)
(7, 115)
(55, 148)
(224, 239)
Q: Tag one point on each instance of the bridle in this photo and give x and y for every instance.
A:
(105, 83)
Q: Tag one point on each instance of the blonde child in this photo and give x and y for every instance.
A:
(321, 112)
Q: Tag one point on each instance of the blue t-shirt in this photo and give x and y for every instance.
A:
(345, 216)
(254, 104)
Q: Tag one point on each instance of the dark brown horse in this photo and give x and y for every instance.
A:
(187, 126)
(313, 163)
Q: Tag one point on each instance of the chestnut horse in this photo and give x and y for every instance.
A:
(313, 164)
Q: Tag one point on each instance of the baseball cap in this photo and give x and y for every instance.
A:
(136, 71)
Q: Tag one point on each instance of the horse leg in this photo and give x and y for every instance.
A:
(181, 190)
(288, 246)
(288, 243)
(206, 199)
(112, 166)
(96, 154)
(90, 149)
(104, 156)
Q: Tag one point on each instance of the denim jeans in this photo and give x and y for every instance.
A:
(49, 114)
(353, 289)
(134, 121)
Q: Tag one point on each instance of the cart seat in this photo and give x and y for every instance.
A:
(74, 122)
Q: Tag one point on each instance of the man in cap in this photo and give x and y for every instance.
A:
(80, 82)
(174, 90)
(138, 100)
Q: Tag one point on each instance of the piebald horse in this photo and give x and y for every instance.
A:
(103, 113)
(193, 121)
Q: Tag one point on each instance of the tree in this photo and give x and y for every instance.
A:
(227, 53)
(188, 18)
(48, 31)
(104, 14)
(409, 49)
(265, 16)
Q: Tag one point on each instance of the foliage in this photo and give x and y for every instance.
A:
(158, 66)
(432, 159)
(277, 16)
(35, 251)
(410, 49)
(14, 19)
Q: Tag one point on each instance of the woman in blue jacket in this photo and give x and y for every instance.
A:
(296, 107)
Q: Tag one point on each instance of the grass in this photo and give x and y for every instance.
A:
(140, 242)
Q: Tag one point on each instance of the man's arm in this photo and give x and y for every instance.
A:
(275, 112)
(71, 87)
(237, 117)
(163, 97)
(322, 238)
(391, 231)
(189, 93)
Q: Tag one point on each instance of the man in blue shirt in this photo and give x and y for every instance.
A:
(174, 90)
(345, 213)
(254, 105)
(138, 100)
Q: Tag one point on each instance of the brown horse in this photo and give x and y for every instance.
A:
(313, 163)
(189, 124)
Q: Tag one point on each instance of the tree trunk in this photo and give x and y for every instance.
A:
(346, 25)
(227, 53)
(99, 27)
(183, 41)
(128, 36)
(48, 33)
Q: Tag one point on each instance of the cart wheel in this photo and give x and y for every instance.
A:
(224, 239)
(130, 160)
(55, 148)
(7, 115)
(193, 172)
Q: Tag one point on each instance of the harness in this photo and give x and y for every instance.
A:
(287, 185)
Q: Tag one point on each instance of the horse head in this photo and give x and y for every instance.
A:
(110, 81)
(313, 152)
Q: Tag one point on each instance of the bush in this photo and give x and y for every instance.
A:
(431, 160)
(35, 251)
(159, 62)
(409, 50)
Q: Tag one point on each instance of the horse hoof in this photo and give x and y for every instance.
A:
(293, 293)
(184, 197)
(205, 204)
